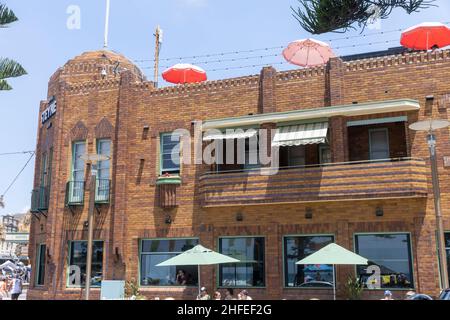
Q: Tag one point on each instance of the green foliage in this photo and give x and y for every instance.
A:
(132, 290)
(320, 16)
(353, 288)
(7, 16)
(8, 68)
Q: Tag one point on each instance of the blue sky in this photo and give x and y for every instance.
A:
(42, 42)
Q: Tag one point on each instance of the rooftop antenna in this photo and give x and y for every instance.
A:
(108, 4)
(159, 40)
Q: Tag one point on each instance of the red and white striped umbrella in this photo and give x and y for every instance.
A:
(184, 73)
(426, 36)
(308, 53)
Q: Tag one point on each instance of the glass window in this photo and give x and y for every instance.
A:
(306, 276)
(251, 153)
(250, 271)
(44, 169)
(40, 268)
(379, 144)
(170, 153)
(103, 170)
(447, 249)
(77, 185)
(154, 252)
(324, 154)
(391, 253)
(77, 262)
(79, 148)
(49, 169)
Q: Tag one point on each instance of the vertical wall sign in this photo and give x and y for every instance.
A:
(50, 111)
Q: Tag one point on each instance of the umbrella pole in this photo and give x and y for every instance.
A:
(334, 282)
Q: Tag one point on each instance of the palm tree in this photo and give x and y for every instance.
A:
(8, 68)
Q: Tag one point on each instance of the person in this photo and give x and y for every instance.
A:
(409, 295)
(387, 295)
(217, 296)
(239, 296)
(318, 276)
(16, 288)
(3, 288)
(245, 296)
(203, 294)
(181, 278)
(229, 294)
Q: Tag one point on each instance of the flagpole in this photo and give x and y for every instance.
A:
(108, 4)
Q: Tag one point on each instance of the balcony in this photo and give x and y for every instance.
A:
(75, 193)
(39, 199)
(381, 179)
(103, 191)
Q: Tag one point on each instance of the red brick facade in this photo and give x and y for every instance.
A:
(126, 108)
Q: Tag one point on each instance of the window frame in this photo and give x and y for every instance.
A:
(219, 285)
(411, 255)
(38, 264)
(69, 253)
(176, 253)
(447, 253)
(284, 258)
(103, 198)
(161, 155)
(44, 164)
(98, 142)
(388, 142)
(322, 147)
(72, 167)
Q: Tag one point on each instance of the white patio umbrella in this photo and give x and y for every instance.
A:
(7, 265)
(334, 254)
(198, 256)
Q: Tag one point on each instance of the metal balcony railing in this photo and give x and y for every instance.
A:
(40, 199)
(103, 191)
(75, 193)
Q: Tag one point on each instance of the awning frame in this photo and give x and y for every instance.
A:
(358, 109)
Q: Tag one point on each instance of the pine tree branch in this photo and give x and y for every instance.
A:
(320, 16)
(7, 16)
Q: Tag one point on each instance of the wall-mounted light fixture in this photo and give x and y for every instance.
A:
(168, 220)
(104, 73)
(308, 213)
(239, 217)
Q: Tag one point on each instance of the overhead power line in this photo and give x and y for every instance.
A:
(270, 55)
(17, 176)
(16, 153)
(273, 48)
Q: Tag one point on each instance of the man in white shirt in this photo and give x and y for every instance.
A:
(16, 288)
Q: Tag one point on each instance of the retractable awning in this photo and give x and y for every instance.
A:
(230, 134)
(302, 134)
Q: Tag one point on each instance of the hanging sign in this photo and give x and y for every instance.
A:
(49, 112)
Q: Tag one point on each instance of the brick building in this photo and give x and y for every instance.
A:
(362, 179)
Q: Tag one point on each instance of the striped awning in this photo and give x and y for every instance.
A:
(302, 134)
(230, 134)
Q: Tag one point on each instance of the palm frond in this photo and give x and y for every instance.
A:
(7, 16)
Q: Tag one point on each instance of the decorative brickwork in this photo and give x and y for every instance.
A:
(343, 198)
